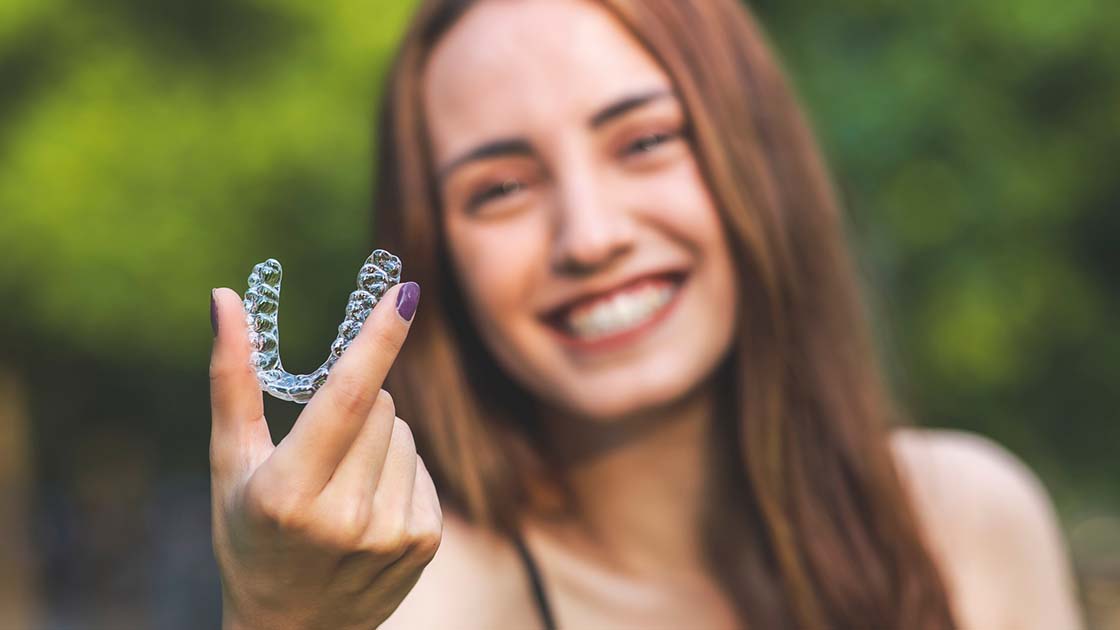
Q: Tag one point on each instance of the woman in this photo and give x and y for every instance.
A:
(641, 379)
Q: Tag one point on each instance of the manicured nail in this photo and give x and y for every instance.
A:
(407, 299)
(213, 313)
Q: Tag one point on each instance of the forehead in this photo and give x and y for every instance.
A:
(509, 67)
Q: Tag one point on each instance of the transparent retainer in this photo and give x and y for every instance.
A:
(262, 303)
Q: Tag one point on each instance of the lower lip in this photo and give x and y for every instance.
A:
(622, 337)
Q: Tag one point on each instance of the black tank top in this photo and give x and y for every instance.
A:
(537, 585)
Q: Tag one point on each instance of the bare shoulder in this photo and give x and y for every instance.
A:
(992, 528)
(475, 580)
(957, 469)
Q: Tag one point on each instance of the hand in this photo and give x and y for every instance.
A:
(332, 527)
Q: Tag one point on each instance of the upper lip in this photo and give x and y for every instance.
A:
(596, 292)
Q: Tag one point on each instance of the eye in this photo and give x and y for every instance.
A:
(649, 142)
(489, 193)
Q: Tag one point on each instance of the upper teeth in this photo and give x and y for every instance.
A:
(624, 309)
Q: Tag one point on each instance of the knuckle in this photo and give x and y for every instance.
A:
(227, 372)
(389, 539)
(385, 403)
(403, 433)
(351, 525)
(282, 510)
(219, 371)
(352, 395)
(386, 341)
(268, 510)
(345, 534)
(424, 542)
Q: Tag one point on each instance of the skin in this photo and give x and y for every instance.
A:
(331, 527)
(598, 200)
(586, 206)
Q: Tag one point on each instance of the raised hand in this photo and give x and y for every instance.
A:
(332, 527)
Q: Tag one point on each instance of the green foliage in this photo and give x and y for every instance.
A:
(151, 152)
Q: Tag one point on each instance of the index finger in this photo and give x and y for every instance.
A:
(328, 426)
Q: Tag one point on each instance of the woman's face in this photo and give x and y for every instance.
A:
(583, 235)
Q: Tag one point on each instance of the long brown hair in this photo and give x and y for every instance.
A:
(809, 526)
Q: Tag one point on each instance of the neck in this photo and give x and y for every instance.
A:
(638, 484)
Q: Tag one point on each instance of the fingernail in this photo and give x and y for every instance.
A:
(407, 299)
(213, 313)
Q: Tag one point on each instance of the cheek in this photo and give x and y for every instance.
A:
(498, 265)
(685, 209)
(679, 204)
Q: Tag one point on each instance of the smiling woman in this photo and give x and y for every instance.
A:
(750, 323)
(642, 377)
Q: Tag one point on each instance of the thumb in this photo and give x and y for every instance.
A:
(236, 403)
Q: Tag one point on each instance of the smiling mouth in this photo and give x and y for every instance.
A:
(619, 315)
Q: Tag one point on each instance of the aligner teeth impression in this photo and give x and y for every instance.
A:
(378, 274)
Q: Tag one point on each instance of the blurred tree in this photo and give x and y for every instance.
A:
(152, 150)
(20, 597)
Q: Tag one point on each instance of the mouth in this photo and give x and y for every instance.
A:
(617, 316)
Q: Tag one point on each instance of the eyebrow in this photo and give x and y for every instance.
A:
(625, 104)
(497, 148)
(521, 146)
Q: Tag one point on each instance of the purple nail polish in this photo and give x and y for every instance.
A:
(407, 299)
(213, 313)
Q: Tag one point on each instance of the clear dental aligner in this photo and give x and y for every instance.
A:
(262, 303)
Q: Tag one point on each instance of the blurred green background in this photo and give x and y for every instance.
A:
(151, 150)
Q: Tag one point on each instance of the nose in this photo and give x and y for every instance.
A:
(591, 229)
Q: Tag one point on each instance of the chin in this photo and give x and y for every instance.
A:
(630, 394)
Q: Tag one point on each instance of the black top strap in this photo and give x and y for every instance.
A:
(535, 581)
